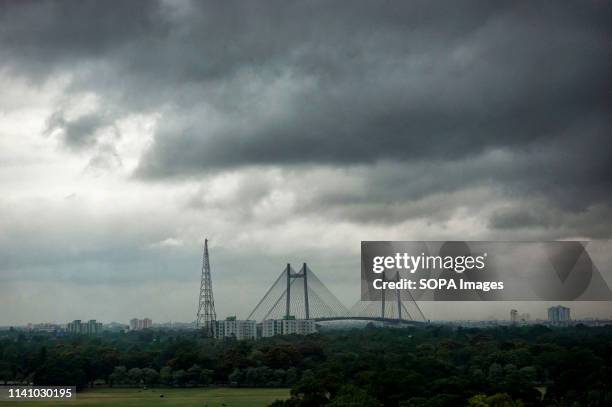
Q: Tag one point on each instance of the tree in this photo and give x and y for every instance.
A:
(439, 400)
(165, 375)
(119, 375)
(206, 376)
(135, 375)
(496, 400)
(5, 373)
(193, 375)
(58, 371)
(311, 390)
(282, 357)
(150, 376)
(236, 377)
(278, 378)
(352, 396)
(179, 377)
(496, 372)
(292, 376)
(259, 376)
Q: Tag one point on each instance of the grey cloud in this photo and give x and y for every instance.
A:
(105, 159)
(534, 219)
(433, 89)
(519, 218)
(563, 177)
(250, 189)
(38, 39)
(402, 81)
(80, 132)
(483, 188)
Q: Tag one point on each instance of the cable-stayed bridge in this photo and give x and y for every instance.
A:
(302, 295)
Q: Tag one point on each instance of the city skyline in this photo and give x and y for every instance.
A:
(128, 133)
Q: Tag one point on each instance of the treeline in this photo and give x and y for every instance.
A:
(152, 358)
(261, 376)
(440, 366)
(431, 366)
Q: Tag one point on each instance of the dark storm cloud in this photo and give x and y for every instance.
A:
(517, 218)
(379, 87)
(438, 90)
(39, 38)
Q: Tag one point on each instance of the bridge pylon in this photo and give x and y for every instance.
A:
(298, 294)
(390, 307)
(301, 295)
(303, 273)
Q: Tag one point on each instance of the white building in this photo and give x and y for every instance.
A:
(44, 327)
(235, 328)
(299, 326)
(138, 324)
(271, 327)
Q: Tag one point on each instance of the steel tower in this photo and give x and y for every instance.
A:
(207, 316)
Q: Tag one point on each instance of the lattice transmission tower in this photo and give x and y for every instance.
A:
(207, 316)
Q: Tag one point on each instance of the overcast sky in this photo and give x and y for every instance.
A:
(286, 132)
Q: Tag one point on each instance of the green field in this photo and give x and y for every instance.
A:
(215, 397)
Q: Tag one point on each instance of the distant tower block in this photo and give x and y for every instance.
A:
(207, 316)
(513, 316)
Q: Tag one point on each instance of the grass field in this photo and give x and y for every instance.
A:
(222, 397)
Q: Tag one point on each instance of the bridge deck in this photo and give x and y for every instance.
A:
(373, 319)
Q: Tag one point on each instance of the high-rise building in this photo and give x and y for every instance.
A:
(287, 326)
(138, 324)
(271, 327)
(133, 324)
(74, 327)
(559, 315)
(91, 327)
(298, 326)
(235, 328)
(513, 316)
